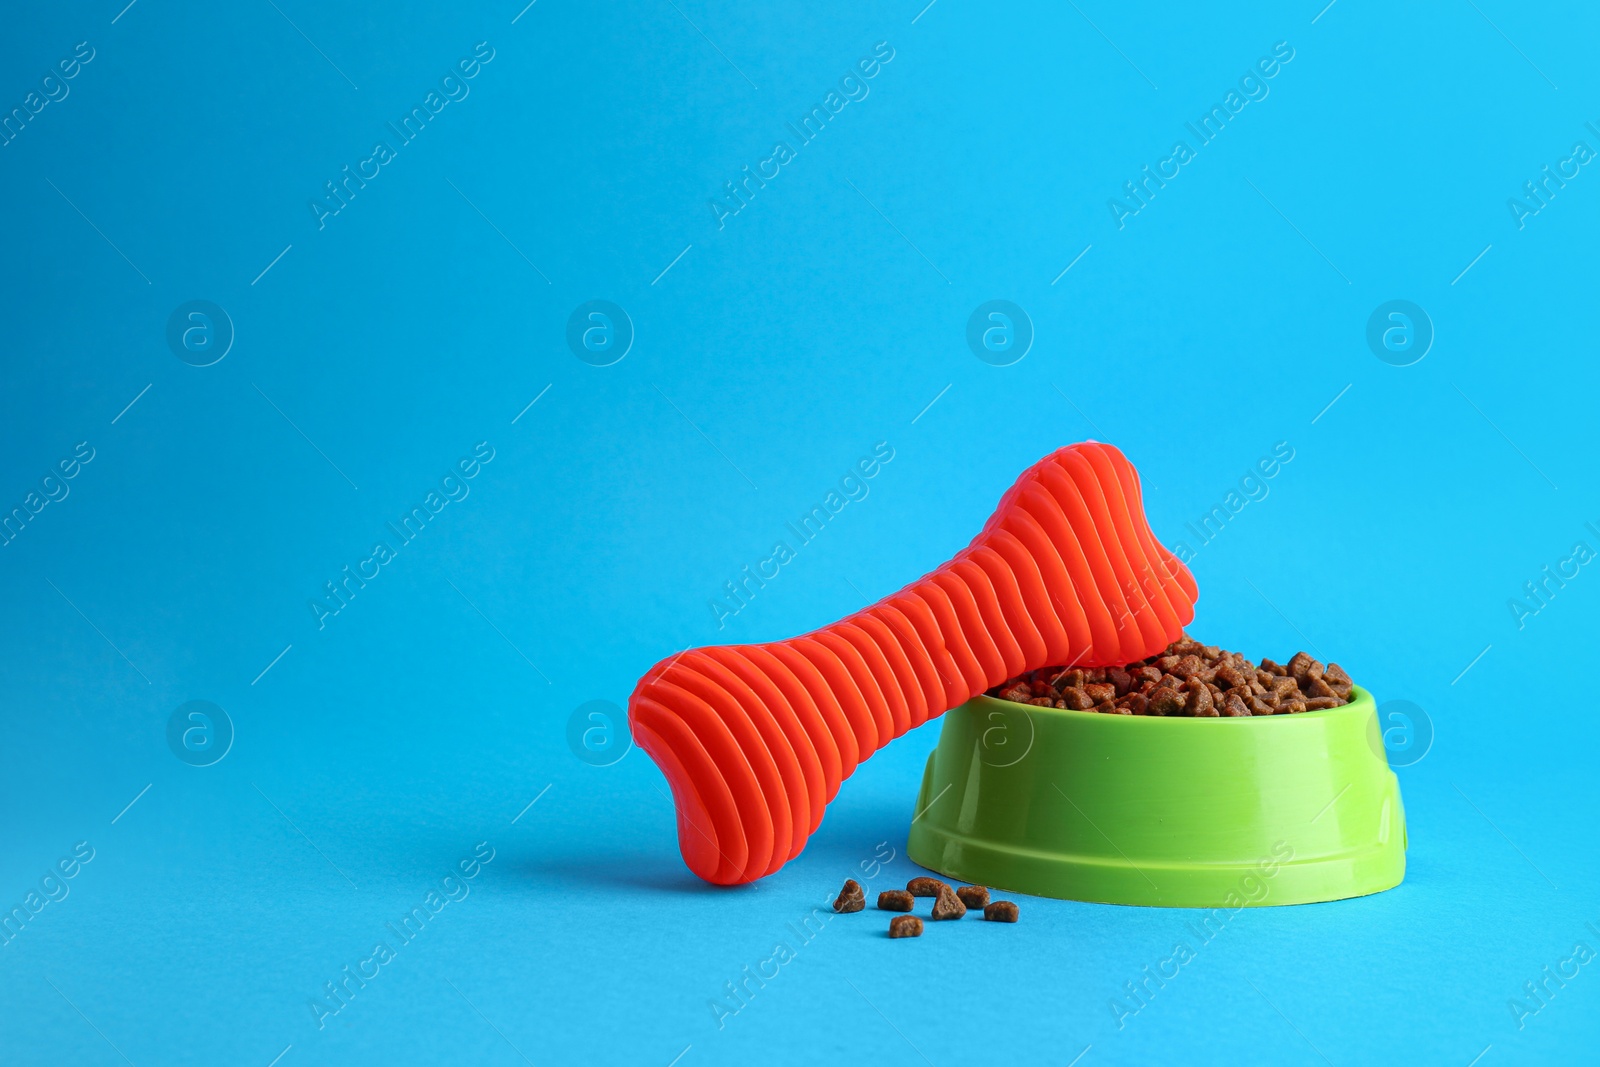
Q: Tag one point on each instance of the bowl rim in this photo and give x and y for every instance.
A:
(1360, 701)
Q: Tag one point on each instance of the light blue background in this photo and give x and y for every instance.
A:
(823, 318)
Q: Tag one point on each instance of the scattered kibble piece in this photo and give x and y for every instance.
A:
(923, 886)
(851, 898)
(905, 926)
(1001, 911)
(1187, 679)
(895, 900)
(947, 905)
(973, 896)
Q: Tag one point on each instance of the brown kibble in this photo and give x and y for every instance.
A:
(1318, 687)
(1197, 701)
(974, 896)
(923, 886)
(1304, 668)
(1164, 701)
(1076, 698)
(1189, 679)
(1231, 677)
(1073, 678)
(895, 900)
(1338, 680)
(851, 898)
(1001, 911)
(947, 905)
(905, 926)
(1186, 667)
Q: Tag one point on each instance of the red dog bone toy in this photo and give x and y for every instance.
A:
(755, 739)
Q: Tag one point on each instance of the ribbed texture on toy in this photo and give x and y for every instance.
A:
(756, 739)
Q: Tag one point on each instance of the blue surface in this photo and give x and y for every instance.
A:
(375, 347)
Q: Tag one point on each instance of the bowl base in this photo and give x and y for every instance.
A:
(1094, 880)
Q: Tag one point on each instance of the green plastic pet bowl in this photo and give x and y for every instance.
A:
(1170, 812)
